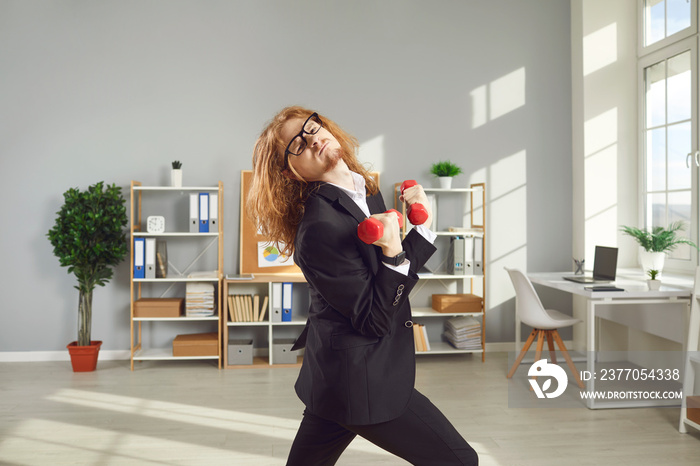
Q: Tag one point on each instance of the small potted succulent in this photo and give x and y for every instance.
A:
(653, 283)
(176, 174)
(89, 238)
(655, 244)
(445, 170)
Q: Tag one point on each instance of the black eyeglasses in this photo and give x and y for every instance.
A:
(296, 146)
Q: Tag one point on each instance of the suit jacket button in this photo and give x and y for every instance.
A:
(408, 324)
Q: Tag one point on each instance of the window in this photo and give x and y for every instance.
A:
(668, 75)
(664, 18)
(666, 21)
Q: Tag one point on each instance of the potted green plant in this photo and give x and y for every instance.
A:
(655, 244)
(176, 174)
(653, 283)
(445, 170)
(89, 238)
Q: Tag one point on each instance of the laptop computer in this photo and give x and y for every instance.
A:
(604, 267)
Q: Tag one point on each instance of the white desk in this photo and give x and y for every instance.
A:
(658, 320)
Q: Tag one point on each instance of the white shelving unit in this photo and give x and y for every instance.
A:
(140, 352)
(692, 357)
(473, 225)
(264, 333)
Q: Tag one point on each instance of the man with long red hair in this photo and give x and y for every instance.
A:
(309, 193)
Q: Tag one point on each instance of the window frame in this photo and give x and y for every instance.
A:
(649, 59)
(643, 50)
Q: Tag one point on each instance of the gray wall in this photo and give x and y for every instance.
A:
(115, 90)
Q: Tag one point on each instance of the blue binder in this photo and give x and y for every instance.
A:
(204, 212)
(286, 302)
(139, 257)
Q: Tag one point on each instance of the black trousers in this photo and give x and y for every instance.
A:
(422, 435)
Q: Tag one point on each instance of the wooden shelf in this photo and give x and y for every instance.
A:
(261, 362)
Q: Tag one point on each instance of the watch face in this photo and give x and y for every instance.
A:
(155, 224)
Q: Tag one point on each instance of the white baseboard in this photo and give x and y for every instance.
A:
(36, 356)
(118, 355)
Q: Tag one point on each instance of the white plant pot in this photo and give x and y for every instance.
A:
(654, 285)
(176, 178)
(651, 260)
(445, 182)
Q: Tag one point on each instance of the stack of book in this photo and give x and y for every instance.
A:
(420, 338)
(246, 308)
(200, 299)
(464, 333)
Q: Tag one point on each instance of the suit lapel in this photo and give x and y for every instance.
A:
(338, 197)
(375, 203)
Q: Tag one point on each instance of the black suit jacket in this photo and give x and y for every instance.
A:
(359, 362)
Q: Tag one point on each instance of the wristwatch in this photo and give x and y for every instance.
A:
(396, 260)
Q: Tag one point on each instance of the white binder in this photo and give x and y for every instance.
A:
(468, 255)
(276, 300)
(194, 213)
(213, 213)
(478, 255)
(150, 258)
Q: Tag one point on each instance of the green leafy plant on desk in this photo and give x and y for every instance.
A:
(658, 242)
(653, 283)
(659, 239)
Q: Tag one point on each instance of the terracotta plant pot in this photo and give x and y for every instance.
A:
(84, 358)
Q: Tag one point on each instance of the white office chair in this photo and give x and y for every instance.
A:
(544, 323)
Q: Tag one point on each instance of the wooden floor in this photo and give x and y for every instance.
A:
(190, 413)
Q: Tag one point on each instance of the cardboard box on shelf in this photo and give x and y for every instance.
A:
(449, 303)
(158, 307)
(196, 344)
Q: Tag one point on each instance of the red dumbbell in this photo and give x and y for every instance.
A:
(417, 213)
(371, 229)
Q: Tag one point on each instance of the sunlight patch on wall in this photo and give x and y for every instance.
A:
(507, 224)
(601, 230)
(599, 49)
(600, 132)
(601, 182)
(499, 98)
(372, 153)
(507, 93)
(480, 102)
(507, 174)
